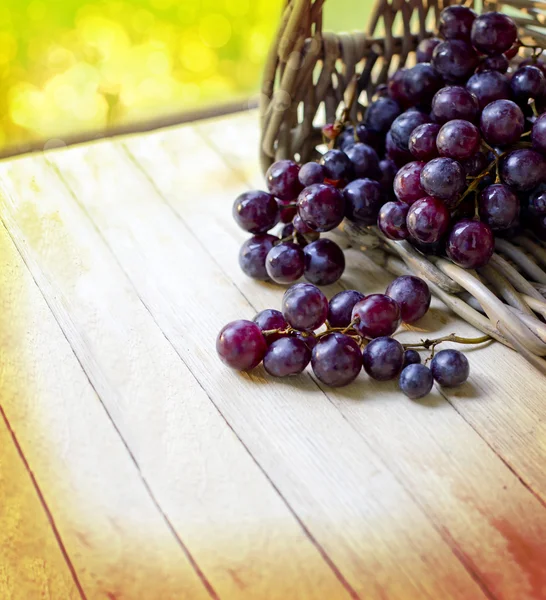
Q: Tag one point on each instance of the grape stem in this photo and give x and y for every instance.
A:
(452, 337)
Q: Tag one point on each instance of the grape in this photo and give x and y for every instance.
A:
(253, 254)
(304, 306)
(498, 206)
(376, 316)
(268, 320)
(412, 295)
(416, 381)
(454, 102)
(493, 33)
(455, 60)
(411, 357)
(287, 210)
(538, 133)
(301, 227)
(256, 211)
(347, 136)
(470, 244)
(407, 183)
(388, 170)
(341, 307)
(502, 122)
(308, 337)
(321, 206)
(523, 169)
(336, 360)
(426, 48)
(498, 62)
(428, 220)
(527, 82)
(287, 356)
(422, 142)
(365, 161)
(241, 345)
(397, 155)
(381, 114)
(310, 173)
(282, 179)
(324, 262)
(537, 203)
(403, 126)
(363, 199)
(284, 262)
(458, 139)
(533, 62)
(383, 358)
(450, 368)
(456, 22)
(475, 164)
(392, 220)
(489, 86)
(443, 178)
(421, 83)
(397, 88)
(337, 166)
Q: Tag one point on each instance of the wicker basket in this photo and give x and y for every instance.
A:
(309, 78)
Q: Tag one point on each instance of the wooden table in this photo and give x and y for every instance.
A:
(133, 465)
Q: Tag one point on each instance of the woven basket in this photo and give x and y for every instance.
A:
(311, 76)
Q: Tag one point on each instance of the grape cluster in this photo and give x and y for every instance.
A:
(340, 337)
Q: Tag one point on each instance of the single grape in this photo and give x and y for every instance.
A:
(426, 48)
(458, 139)
(321, 207)
(393, 152)
(538, 133)
(383, 358)
(497, 62)
(537, 203)
(403, 127)
(376, 316)
(489, 86)
(421, 82)
(337, 166)
(381, 114)
(454, 102)
(392, 220)
(523, 169)
(310, 173)
(428, 220)
(304, 306)
(412, 295)
(388, 170)
(455, 60)
(336, 360)
(493, 33)
(416, 381)
(349, 136)
(287, 210)
(324, 262)
(287, 356)
(282, 179)
(363, 199)
(450, 368)
(422, 142)
(498, 206)
(268, 320)
(411, 357)
(365, 161)
(456, 22)
(308, 337)
(407, 183)
(341, 307)
(301, 227)
(284, 262)
(527, 82)
(253, 254)
(443, 178)
(397, 88)
(475, 164)
(256, 211)
(533, 62)
(241, 345)
(502, 122)
(470, 244)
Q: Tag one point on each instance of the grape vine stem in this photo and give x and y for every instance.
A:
(452, 337)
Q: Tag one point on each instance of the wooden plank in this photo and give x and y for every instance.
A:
(236, 525)
(113, 534)
(356, 510)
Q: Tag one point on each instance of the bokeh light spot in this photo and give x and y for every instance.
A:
(215, 30)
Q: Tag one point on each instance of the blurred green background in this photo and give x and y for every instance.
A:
(69, 66)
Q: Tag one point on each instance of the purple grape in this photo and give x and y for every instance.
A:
(321, 206)
(347, 137)
(416, 381)
(407, 183)
(475, 164)
(470, 244)
(304, 306)
(388, 170)
(287, 356)
(365, 161)
(301, 227)
(336, 360)
(393, 152)
(337, 166)
(341, 307)
(268, 320)
(241, 345)
(443, 178)
(310, 173)
(454, 102)
(282, 180)
(284, 262)
(363, 199)
(421, 83)
(308, 337)
(450, 368)
(256, 211)
(533, 62)
(493, 33)
(455, 60)
(287, 210)
(397, 88)
(403, 127)
(458, 139)
(383, 358)
(456, 22)
(422, 142)
(381, 114)
(376, 316)
(324, 262)
(499, 206)
(428, 220)
(498, 62)
(502, 123)
(527, 82)
(523, 170)
(537, 203)
(253, 254)
(392, 220)
(538, 133)
(426, 48)
(489, 86)
(412, 295)
(411, 357)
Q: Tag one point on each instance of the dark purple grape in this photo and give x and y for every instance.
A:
(489, 86)
(376, 316)
(407, 183)
(393, 152)
(284, 262)
(324, 262)
(426, 48)
(498, 62)
(365, 161)
(304, 306)
(336, 360)
(287, 210)
(416, 381)
(422, 142)
(363, 199)
(527, 82)
(499, 206)
(282, 180)
(383, 358)
(397, 88)
(502, 123)
(470, 244)
(412, 295)
(403, 127)
(268, 320)
(421, 82)
(450, 368)
(458, 139)
(523, 169)
(493, 33)
(428, 220)
(305, 336)
(341, 307)
(381, 114)
(455, 60)
(321, 206)
(347, 137)
(538, 133)
(287, 356)
(411, 357)
(253, 254)
(256, 211)
(475, 164)
(456, 22)
(537, 203)
(310, 173)
(454, 102)
(241, 345)
(337, 166)
(443, 178)
(392, 220)
(533, 62)
(301, 227)
(388, 170)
